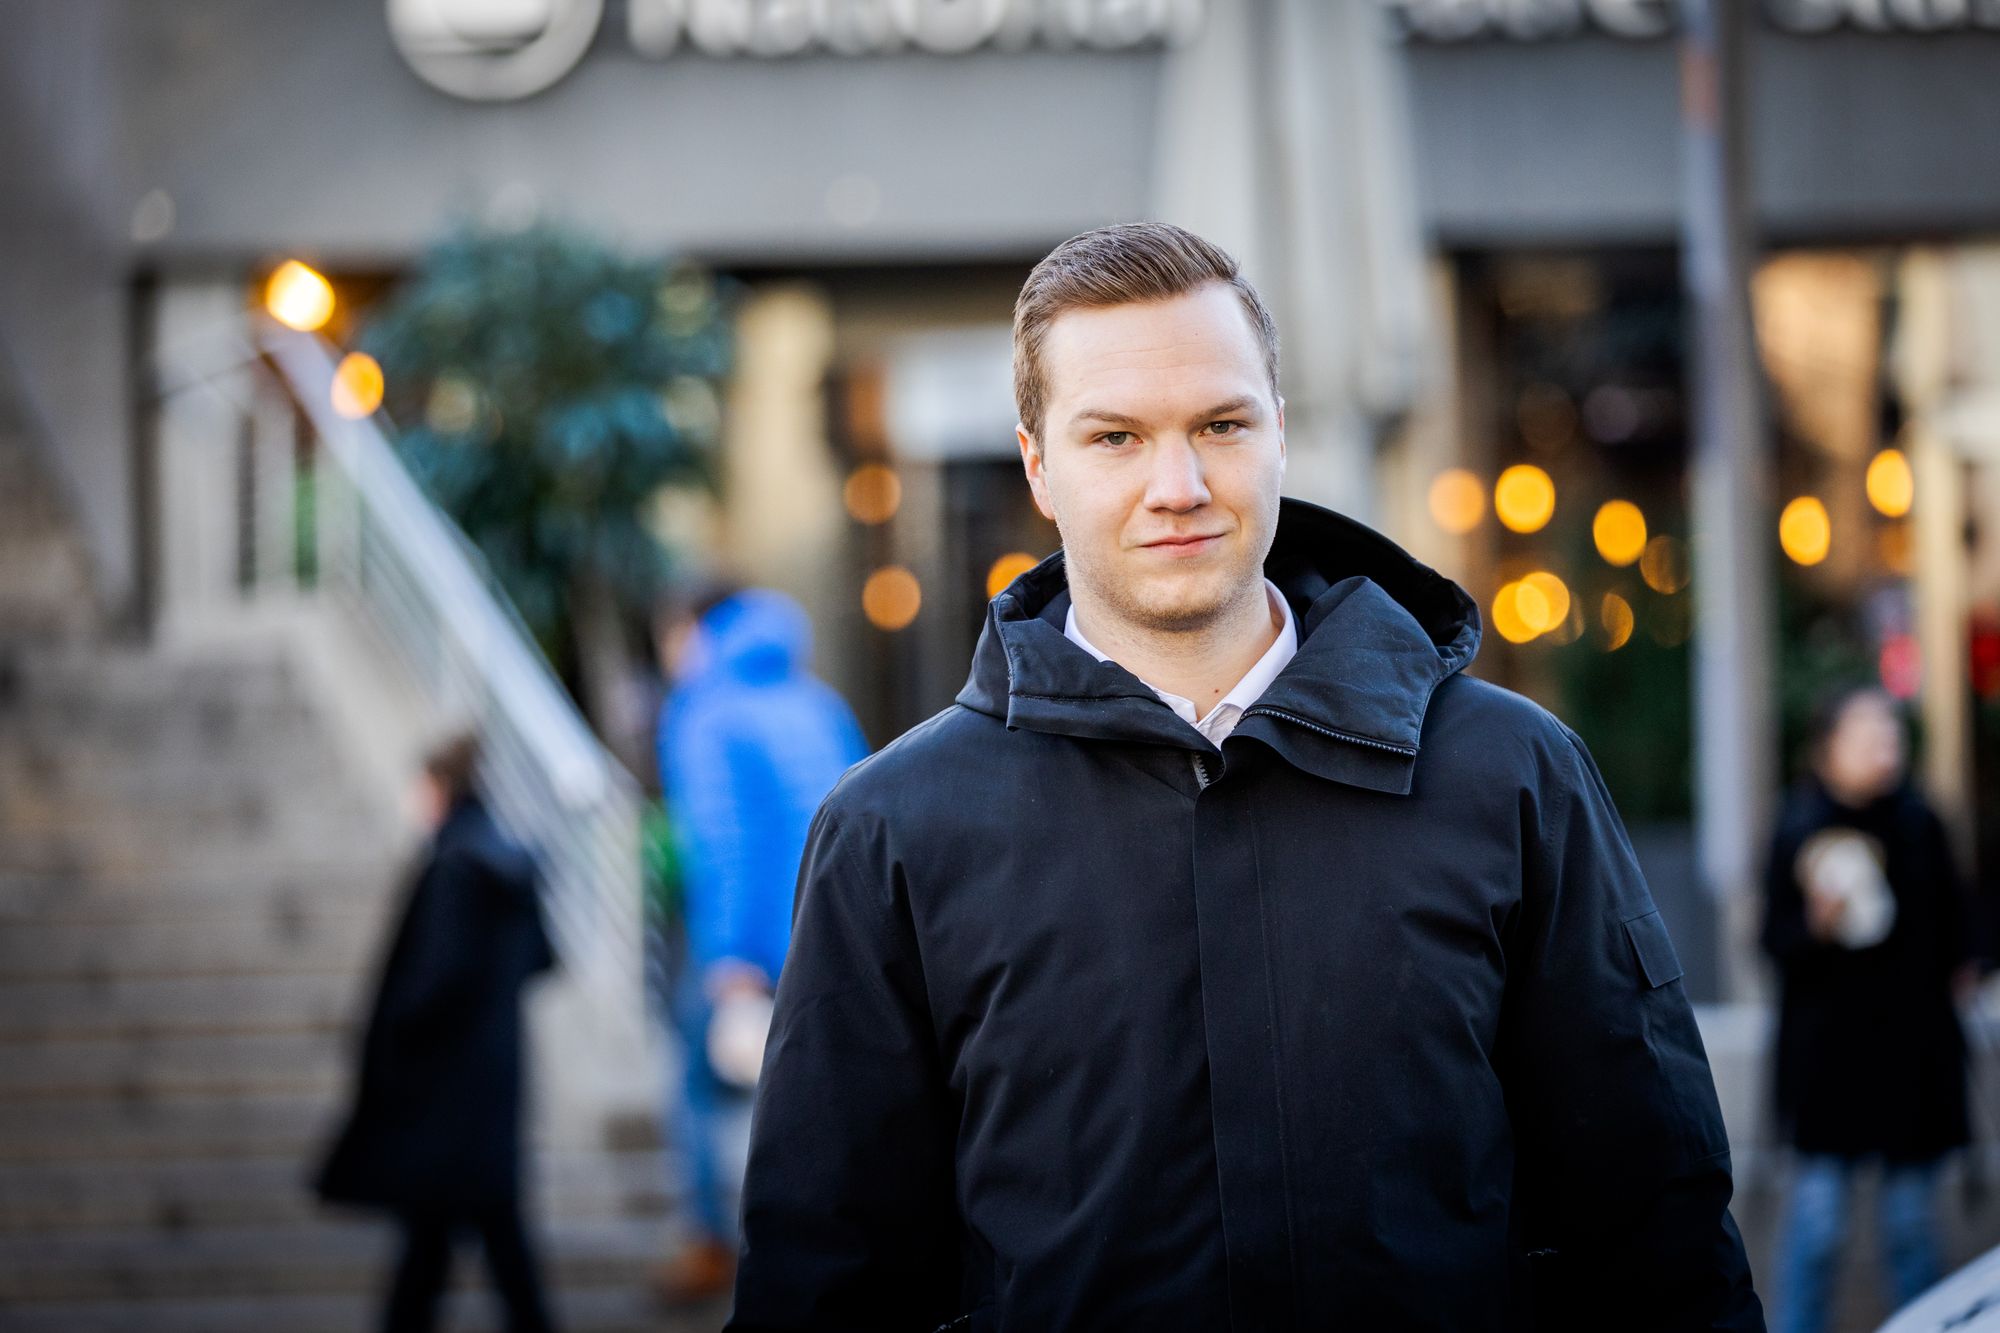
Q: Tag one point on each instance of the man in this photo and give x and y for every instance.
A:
(750, 741)
(1225, 957)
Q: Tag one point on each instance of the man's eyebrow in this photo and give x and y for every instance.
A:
(1242, 403)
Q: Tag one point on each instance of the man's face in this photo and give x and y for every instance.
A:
(428, 802)
(1863, 758)
(1162, 451)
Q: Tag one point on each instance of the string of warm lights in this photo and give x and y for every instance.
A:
(1538, 605)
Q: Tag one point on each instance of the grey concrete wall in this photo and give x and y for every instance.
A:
(283, 125)
(62, 263)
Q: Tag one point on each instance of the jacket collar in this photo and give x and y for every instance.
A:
(1378, 632)
(462, 824)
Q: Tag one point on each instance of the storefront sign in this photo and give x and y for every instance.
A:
(1541, 20)
(499, 50)
(493, 50)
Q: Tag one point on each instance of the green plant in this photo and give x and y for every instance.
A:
(545, 388)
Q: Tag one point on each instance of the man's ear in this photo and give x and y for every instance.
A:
(1031, 464)
(1281, 435)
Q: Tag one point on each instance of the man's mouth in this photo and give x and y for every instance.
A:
(1192, 544)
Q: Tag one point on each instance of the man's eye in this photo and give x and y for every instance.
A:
(1114, 437)
(1226, 427)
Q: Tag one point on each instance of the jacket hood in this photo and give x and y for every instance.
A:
(1378, 632)
(756, 636)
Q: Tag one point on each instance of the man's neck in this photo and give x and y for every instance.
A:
(1202, 664)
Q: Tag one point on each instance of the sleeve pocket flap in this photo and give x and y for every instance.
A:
(1654, 947)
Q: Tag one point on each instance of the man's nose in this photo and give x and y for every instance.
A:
(1175, 482)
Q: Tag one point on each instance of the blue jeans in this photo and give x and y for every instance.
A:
(698, 1109)
(699, 1115)
(1816, 1227)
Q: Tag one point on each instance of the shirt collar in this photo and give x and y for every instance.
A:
(1246, 691)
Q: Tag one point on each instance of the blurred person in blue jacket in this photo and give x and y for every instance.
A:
(750, 741)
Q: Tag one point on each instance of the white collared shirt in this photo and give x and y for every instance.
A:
(1222, 718)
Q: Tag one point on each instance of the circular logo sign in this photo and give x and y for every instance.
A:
(493, 50)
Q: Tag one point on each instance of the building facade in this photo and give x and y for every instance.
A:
(880, 177)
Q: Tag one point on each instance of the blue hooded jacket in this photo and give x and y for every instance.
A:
(750, 743)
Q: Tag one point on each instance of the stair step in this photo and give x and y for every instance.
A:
(46, 754)
(619, 1308)
(188, 1128)
(183, 853)
(194, 1127)
(57, 677)
(123, 781)
(277, 939)
(199, 837)
(206, 834)
(153, 729)
(235, 1065)
(38, 1197)
(54, 893)
(331, 1254)
(136, 1008)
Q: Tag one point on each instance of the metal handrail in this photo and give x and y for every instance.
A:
(422, 583)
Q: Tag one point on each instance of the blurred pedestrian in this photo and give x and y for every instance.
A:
(750, 742)
(1865, 918)
(1225, 956)
(435, 1132)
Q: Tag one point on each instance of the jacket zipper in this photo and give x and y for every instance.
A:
(1349, 737)
(1200, 770)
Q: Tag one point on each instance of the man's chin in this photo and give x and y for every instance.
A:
(1178, 610)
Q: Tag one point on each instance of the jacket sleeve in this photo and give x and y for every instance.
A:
(708, 779)
(1957, 929)
(848, 1214)
(1623, 1179)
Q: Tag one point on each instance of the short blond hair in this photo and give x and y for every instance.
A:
(1132, 261)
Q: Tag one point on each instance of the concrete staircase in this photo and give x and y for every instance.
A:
(192, 896)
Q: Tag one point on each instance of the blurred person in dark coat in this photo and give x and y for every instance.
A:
(435, 1133)
(1866, 920)
(1225, 957)
(750, 741)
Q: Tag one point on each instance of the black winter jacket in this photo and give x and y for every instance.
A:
(1870, 1054)
(436, 1124)
(1365, 1020)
